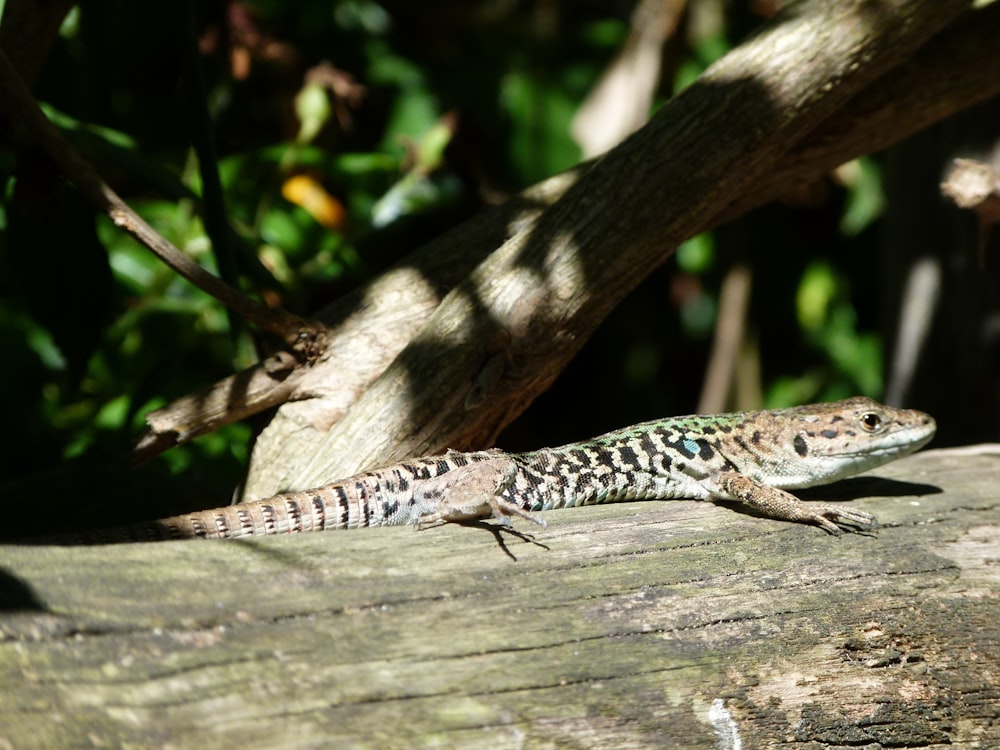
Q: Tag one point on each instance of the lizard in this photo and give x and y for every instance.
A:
(751, 457)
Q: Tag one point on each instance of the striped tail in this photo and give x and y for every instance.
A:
(393, 496)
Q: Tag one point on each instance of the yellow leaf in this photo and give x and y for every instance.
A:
(304, 191)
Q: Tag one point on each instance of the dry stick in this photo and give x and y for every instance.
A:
(975, 186)
(730, 332)
(268, 383)
(306, 338)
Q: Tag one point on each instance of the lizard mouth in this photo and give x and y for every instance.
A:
(906, 441)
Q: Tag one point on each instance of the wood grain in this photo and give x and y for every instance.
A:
(616, 626)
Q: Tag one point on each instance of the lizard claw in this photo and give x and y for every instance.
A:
(836, 520)
(504, 511)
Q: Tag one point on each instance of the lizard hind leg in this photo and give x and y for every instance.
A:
(776, 503)
(470, 492)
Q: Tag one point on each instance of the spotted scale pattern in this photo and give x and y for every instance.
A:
(747, 456)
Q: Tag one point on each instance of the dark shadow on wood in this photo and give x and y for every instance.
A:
(17, 595)
(498, 530)
(868, 486)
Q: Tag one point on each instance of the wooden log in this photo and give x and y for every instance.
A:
(640, 625)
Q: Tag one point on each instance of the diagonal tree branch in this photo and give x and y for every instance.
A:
(501, 336)
(885, 103)
(303, 337)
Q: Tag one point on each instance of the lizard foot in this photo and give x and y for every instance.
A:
(471, 492)
(504, 510)
(470, 508)
(836, 519)
(776, 503)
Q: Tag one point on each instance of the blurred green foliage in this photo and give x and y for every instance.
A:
(347, 134)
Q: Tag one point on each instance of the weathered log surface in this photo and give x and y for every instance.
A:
(640, 625)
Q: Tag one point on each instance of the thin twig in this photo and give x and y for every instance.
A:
(304, 337)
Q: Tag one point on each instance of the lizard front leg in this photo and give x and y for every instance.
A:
(775, 503)
(470, 492)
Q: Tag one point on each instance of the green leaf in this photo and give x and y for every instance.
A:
(865, 199)
(540, 111)
(697, 254)
(312, 106)
(414, 194)
(816, 291)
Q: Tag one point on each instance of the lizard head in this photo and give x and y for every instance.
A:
(842, 438)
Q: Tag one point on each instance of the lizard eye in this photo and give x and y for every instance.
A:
(871, 421)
